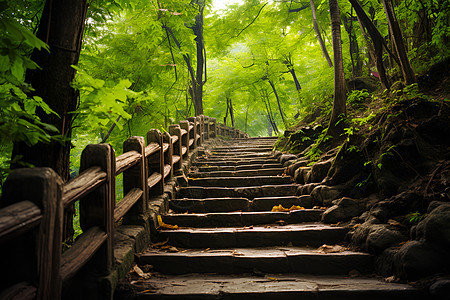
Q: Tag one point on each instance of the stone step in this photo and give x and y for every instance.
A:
(271, 287)
(234, 204)
(232, 219)
(306, 234)
(241, 149)
(240, 173)
(274, 260)
(238, 168)
(244, 154)
(231, 162)
(239, 181)
(238, 192)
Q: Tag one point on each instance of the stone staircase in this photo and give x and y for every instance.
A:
(230, 245)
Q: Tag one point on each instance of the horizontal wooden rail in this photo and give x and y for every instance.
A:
(152, 148)
(17, 219)
(79, 254)
(153, 180)
(81, 185)
(126, 203)
(126, 161)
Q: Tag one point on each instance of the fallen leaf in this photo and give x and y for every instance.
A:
(164, 225)
(393, 223)
(272, 278)
(279, 208)
(141, 273)
(390, 279)
(296, 207)
(236, 253)
(148, 291)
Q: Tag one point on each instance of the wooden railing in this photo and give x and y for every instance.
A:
(34, 201)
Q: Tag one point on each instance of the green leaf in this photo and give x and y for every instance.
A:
(4, 63)
(17, 69)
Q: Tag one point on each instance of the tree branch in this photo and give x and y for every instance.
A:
(257, 15)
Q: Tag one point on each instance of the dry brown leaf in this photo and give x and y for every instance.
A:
(296, 207)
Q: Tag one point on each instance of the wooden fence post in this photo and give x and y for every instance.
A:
(213, 131)
(175, 130)
(36, 257)
(136, 177)
(185, 138)
(206, 127)
(168, 156)
(97, 208)
(155, 163)
(195, 132)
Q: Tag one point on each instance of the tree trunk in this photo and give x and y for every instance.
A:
(201, 62)
(319, 36)
(339, 104)
(230, 107)
(294, 76)
(377, 39)
(278, 102)
(61, 27)
(408, 73)
(354, 48)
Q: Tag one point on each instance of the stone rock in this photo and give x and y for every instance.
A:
(440, 289)
(360, 234)
(381, 237)
(384, 263)
(306, 201)
(324, 194)
(320, 170)
(277, 154)
(380, 212)
(285, 157)
(433, 205)
(306, 189)
(300, 174)
(435, 228)
(344, 210)
(416, 260)
(297, 164)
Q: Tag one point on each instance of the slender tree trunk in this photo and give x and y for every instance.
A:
(408, 73)
(246, 118)
(377, 39)
(201, 64)
(230, 107)
(278, 102)
(61, 27)
(354, 48)
(339, 103)
(319, 36)
(294, 76)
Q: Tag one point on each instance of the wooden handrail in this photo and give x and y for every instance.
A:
(81, 185)
(145, 168)
(18, 218)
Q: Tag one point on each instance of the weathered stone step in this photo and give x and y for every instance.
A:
(238, 192)
(274, 260)
(244, 154)
(256, 172)
(238, 168)
(234, 204)
(310, 234)
(232, 219)
(240, 181)
(272, 287)
(241, 149)
(231, 162)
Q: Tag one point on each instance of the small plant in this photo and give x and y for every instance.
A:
(415, 217)
(357, 96)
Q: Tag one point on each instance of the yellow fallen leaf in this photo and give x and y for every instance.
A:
(272, 278)
(161, 224)
(296, 207)
(279, 208)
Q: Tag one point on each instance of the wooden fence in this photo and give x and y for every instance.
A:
(34, 201)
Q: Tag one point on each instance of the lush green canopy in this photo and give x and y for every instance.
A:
(262, 59)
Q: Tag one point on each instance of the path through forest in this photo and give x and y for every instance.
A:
(230, 244)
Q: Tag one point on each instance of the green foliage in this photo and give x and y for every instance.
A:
(415, 217)
(357, 96)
